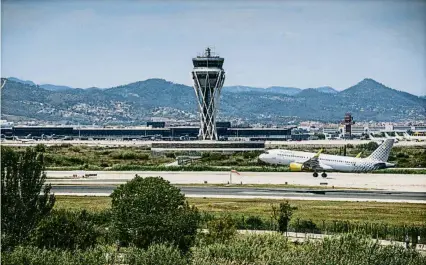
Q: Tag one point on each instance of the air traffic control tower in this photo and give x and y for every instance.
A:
(208, 76)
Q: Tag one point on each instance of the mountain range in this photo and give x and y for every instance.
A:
(137, 102)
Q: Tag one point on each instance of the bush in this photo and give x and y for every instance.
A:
(248, 249)
(275, 249)
(221, 229)
(65, 230)
(129, 155)
(36, 256)
(157, 254)
(305, 226)
(170, 155)
(41, 148)
(151, 210)
(254, 222)
(371, 146)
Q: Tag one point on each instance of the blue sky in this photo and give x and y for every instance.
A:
(265, 43)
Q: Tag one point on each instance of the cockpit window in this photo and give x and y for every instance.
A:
(266, 153)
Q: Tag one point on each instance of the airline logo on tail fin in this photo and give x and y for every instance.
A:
(382, 152)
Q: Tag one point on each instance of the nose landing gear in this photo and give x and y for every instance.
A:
(315, 174)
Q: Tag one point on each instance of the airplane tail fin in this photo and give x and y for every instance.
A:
(382, 152)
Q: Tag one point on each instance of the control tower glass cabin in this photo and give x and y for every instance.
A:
(208, 76)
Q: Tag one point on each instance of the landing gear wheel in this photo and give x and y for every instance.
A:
(324, 175)
(315, 174)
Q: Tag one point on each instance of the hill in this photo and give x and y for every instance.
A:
(137, 102)
(326, 89)
(45, 86)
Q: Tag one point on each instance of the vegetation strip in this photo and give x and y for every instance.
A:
(69, 157)
(389, 213)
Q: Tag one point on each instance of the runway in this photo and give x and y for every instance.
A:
(388, 182)
(264, 193)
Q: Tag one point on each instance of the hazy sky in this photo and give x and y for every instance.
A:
(265, 43)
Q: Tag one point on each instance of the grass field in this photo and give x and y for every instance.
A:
(389, 213)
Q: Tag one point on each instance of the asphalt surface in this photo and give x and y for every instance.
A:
(391, 182)
(273, 193)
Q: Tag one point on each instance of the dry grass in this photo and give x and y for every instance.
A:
(391, 213)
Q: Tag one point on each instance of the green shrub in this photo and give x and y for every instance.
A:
(305, 226)
(35, 256)
(151, 210)
(157, 254)
(170, 155)
(75, 149)
(41, 148)
(254, 222)
(221, 229)
(275, 249)
(129, 155)
(65, 230)
(248, 249)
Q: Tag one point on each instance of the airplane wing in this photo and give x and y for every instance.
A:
(314, 164)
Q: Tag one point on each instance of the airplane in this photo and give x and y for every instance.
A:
(414, 138)
(301, 161)
(25, 139)
(380, 140)
(396, 137)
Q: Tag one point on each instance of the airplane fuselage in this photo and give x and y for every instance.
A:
(329, 162)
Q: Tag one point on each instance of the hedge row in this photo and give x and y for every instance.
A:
(248, 249)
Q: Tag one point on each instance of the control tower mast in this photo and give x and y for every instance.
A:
(208, 76)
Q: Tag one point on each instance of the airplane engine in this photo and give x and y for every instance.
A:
(296, 167)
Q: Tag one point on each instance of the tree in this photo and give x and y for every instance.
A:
(23, 204)
(282, 214)
(371, 146)
(65, 230)
(151, 210)
(321, 136)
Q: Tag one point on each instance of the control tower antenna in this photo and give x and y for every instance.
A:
(208, 76)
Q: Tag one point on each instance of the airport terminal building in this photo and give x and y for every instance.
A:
(153, 131)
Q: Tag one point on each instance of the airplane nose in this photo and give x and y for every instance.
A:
(262, 157)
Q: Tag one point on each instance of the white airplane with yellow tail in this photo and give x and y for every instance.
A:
(414, 138)
(305, 161)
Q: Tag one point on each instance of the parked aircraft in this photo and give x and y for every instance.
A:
(414, 138)
(396, 137)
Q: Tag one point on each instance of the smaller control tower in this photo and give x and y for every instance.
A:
(208, 76)
(348, 122)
